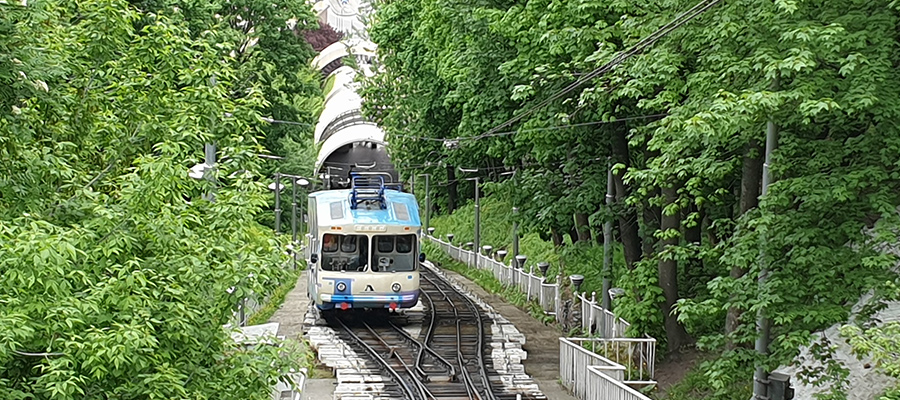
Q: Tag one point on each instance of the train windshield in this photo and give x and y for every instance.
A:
(344, 252)
(394, 253)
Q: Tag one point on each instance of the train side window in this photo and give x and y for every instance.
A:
(404, 243)
(385, 244)
(330, 243)
(348, 245)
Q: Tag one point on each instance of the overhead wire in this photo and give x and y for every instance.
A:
(635, 49)
(546, 128)
(617, 60)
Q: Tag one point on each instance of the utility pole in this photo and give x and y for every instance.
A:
(761, 376)
(278, 203)
(427, 202)
(294, 220)
(515, 238)
(477, 222)
(607, 240)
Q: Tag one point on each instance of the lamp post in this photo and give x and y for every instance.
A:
(477, 210)
(277, 187)
(515, 238)
(607, 241)
(427, 201)
(515, 210)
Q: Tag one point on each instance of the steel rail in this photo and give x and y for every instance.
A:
(485, 380)
(423, 348)
(400, 382)
(429, 334)
(423, 391)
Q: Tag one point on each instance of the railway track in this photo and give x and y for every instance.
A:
(444, 361)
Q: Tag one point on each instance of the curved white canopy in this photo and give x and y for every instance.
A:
(342, 101)
(350, 134)
(342, 49)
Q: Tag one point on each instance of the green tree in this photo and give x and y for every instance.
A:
(118, 278)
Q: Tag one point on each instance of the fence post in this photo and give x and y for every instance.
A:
(558, 300)
(541, 292)
(530, 278)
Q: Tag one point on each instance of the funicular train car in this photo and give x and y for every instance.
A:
(364, 246)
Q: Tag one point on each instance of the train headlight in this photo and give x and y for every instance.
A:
(395, 287)
(341, 286)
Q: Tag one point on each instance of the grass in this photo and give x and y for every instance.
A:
(275, 300)
(486, 280)
(496, 230)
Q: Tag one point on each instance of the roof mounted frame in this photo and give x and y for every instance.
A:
(367, 187)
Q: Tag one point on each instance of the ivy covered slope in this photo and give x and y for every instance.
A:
(684, 125)
(116, 276)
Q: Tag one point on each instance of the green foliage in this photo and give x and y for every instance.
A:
(118, 277)
(822, 72)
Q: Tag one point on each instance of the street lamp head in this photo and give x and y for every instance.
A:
(577, 280)
(276, 186)
(488, 250)
(543, 266)
(520, 261)
(303, 182)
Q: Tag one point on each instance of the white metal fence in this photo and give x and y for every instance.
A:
(601, 386)
(592, 376)
(533, 285)
(598, 321)
(636, 355)
(597, 368)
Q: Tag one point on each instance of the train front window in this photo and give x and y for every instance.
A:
(344, 252)
(394, 253)
(330, 243)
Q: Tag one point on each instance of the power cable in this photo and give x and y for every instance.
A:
(639, 47)
(548, 128)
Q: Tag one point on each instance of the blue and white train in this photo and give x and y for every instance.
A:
(364, 246)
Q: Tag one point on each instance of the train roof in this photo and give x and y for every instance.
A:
(334, 208)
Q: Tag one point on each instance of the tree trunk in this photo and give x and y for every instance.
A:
(650, 214)
(583, 227)
(628, 228)
(573, 235)
(751, 174)
(693, 235)
(676, 336)
(557, 237)
(451, 188)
